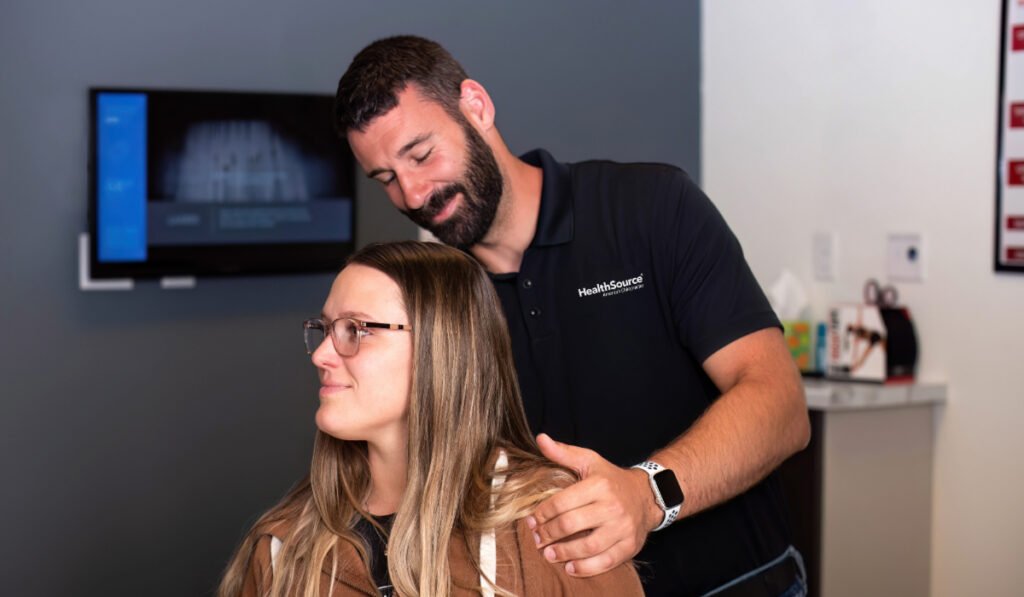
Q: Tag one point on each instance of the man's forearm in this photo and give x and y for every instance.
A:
(751, 429)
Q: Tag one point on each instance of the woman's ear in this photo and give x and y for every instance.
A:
(476, 104)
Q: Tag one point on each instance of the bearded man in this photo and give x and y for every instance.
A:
(648, 357)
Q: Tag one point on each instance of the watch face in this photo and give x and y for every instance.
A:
(669, 488)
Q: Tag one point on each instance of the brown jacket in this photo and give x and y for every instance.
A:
(521, 569)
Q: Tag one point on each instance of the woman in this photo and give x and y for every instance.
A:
(423, 466)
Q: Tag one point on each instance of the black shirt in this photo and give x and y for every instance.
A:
(377, 544)
(631, 281)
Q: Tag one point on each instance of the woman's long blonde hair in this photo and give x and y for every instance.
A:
(464, 404)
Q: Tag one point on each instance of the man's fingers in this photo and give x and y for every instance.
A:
(580, 546)
(568, 512)
(595, 524)
(570, 498)
(568, 526)
(602, 562)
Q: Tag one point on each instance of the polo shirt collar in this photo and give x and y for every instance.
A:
(555, 220)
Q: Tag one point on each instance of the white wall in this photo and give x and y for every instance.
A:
(864, 118)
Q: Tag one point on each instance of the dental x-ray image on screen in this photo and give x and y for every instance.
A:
(194, 183)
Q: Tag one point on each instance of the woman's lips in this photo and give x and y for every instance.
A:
(328, 389)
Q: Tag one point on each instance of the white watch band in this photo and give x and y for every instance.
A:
(652, 468)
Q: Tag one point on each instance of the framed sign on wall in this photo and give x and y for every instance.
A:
(1009, 245)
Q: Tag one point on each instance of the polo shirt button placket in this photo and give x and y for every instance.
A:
(534, 311)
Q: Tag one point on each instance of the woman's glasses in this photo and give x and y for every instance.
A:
(344, 332)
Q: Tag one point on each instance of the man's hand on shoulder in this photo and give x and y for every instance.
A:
(601, 521)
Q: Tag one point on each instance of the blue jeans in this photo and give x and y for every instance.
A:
(799, 588)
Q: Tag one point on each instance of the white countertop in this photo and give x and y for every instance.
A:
(825, 394)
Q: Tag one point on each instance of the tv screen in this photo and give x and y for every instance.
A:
(192, 183)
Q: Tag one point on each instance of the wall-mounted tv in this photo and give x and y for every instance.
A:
(193, 183)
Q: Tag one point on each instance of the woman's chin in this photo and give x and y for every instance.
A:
(332, 423)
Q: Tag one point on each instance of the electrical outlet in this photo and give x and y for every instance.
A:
(906, 257)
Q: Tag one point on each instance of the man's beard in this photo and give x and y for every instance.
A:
(481, 188)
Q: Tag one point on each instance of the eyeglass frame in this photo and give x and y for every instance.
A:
(328, 329)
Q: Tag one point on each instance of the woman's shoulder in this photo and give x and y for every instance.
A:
(541, 577)
(270, 536)
(279, 528)
(520, 567)
(346, 576)
(269, 539)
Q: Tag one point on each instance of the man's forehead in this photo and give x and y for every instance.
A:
(389, 136)
(413, 120)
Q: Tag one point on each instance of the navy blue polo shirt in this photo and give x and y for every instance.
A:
(631, 281)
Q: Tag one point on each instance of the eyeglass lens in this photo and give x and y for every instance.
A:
(346, 337)
(313, 334)
(345, 334)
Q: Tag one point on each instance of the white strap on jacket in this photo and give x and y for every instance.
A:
(275, 547)
(488, 540)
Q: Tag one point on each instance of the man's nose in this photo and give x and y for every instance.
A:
(416, 190)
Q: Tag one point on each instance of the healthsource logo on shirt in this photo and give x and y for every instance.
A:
(613, 287)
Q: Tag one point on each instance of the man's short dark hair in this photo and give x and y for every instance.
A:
(370, 86)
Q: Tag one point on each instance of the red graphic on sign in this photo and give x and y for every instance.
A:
(1015, 253)
(1018, 38)
(1017, 115)
(1015, 173)
(1015, 222)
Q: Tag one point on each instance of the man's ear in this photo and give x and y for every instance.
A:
(476, 105)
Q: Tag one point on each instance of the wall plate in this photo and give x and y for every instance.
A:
(824, 256)
(906, 257)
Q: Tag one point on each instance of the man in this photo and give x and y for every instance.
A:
(639, 333)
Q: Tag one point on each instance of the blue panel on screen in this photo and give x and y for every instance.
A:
(121, 180)
(186, 183)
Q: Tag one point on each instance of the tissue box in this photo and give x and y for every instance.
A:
(798, 338)
(868, 343)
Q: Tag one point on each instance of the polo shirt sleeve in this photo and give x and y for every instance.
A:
(713, 296)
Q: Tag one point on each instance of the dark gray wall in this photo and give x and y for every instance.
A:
(142, 431)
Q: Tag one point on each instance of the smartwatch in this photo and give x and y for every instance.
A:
(667, 493)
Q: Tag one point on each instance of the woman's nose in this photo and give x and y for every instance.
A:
(325, 355)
